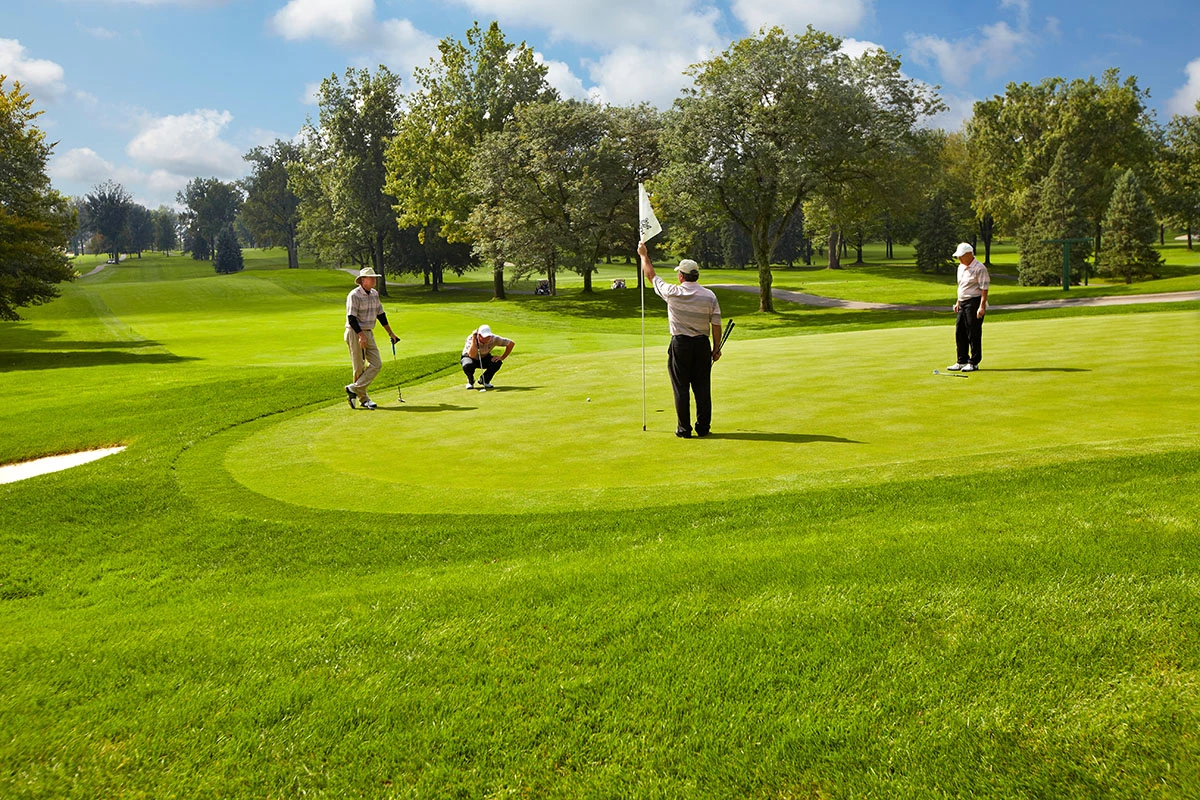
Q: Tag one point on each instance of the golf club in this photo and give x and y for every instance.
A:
(399, 392)
(951, 374)
(728, 328)
(479, 353)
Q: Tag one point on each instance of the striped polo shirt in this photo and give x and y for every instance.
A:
(973, 280)
(691, 309)
(363, 306)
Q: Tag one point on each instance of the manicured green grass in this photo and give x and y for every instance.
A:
(895, 584)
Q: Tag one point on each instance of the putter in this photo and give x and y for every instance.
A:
(479, 353)
(399, 392)
(951, 374)
(728, 328)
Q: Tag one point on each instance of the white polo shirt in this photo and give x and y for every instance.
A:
(973, 279)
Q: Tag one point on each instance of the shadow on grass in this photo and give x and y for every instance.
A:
(1040, 369)
(786, 438)
(416, 409)
(35, 360)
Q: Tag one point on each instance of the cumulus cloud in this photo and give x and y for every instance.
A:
(188, 144)
(1183, 102)
(560, 76)
(996, 50)
(38, 75)
(959, 109)
(825, 15)
(353, 25)
(631, 74)
(81, 165)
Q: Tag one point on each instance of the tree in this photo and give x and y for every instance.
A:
(1178, 174)
(228, 256)
(470, 92)
(166, 235)
(35, 220)
(936, 236)
(108, 208)
(774, 119)
(1129, 231)
(139, 229)
(81, 231)
(342, 180)
(271, 210)
(210, 205)
(1014, 139)
(559, 185)
(1053, 211)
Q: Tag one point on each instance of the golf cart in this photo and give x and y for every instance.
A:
(618, 283)
(543, 287)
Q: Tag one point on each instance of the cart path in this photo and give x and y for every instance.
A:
(858, 305)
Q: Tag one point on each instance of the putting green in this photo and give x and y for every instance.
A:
(789, 412)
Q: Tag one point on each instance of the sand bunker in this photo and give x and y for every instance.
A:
(11, 473)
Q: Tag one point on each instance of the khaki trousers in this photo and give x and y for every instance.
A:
(366, 361)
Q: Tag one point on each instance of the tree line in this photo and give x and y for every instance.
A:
(783, 149)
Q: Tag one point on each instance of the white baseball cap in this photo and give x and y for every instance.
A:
(963, 249)
(687, 266)
(485, 331)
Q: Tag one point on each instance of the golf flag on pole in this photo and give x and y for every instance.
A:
(648, 225)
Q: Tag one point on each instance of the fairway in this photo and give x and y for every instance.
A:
(869, 581)
(790, 413)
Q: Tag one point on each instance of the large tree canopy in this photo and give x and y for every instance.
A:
(210, 204)
(271, 211)
(471, 91)
(559, 184)
(108, 207)
(35, 220)
(774, 119)
(1015, 138)
(346, 215)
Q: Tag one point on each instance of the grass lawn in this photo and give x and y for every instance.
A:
(870, 581)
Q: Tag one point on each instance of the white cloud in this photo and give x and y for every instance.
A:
(1022, 8)
(354, 26)
(81, 165)
(188, 144)
(1183, 102)
(632, 74)
(37, 75)
(560, 76)
(602, 22)
(855, 47)
(825, 15)
(997, 49)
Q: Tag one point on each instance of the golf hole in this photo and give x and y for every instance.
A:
(11, 473)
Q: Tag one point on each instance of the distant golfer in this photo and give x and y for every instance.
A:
(692, 314)
(971, 306)
(477, 354)
(362, 309)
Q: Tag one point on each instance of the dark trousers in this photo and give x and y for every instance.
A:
(968, 332)
(490, 367)
(689, 363)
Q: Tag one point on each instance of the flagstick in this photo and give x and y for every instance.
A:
(642, 285)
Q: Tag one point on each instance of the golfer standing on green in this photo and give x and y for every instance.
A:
(692, 313)
(363, 307)
(971, 306)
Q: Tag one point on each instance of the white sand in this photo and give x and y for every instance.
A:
(11, 473)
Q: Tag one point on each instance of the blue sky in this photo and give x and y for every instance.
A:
(152, 93)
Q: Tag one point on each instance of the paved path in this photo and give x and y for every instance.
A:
(857, 305)
(97, 269)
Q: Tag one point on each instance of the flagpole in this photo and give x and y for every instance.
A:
(642, 284)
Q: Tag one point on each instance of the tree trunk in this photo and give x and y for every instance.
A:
(835, 239)
(1162, 234)
(986, 227)
(498, 279)
(858, 247)
(587, 280)
(1096, 250)
(292, 251)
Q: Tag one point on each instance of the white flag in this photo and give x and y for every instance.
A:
(648, 225)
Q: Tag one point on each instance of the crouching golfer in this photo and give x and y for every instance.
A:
(477, 353)
(692, 313)
(362, 309)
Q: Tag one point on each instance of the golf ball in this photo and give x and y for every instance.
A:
(589, 399)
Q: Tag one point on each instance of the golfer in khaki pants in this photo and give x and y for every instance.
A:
(363, 307)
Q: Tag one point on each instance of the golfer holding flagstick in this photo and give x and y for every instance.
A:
(693, 313)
